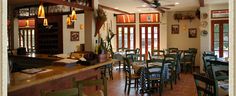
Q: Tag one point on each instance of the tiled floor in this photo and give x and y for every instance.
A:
(184, 87)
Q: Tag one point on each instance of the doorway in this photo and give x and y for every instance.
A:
(126, 36)
(220, 37)
(149, 38)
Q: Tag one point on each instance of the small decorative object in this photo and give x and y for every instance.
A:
(71, 26)
(204, 15)
(204, 24)
(192, 32)
(100, 19)
(45, 22)
(73, 15)
(220, 13)
(81, 26)
(204, 32)
(41, 13)
(74, 36)
(175, 29)
(68, 20)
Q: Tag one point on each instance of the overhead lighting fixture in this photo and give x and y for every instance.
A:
(144, 5)
(27, 23)
(68, 20)
(73, 15)
(45, 22)
(41, 13)
(176, 3)
(116, 8)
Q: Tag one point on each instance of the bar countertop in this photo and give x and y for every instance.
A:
(19, 80)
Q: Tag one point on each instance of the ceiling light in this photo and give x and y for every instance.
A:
(73, 15)
(176, 3)
(41, 13)
(144, 5)
(45, 22)
(68, 20)
(139, 10)
(116, 8)
(27, 23)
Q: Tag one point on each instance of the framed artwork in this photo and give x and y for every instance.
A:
(71, 26)
(175, 29)
(192, 32)
(74, 36)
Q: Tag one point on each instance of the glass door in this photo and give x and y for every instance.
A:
(126, 36)
(220, 38)
(149, 34)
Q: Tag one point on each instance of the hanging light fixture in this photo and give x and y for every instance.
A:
(27, 23)
(41, 13)
(68, 20)
(45, 22)
(73, 15)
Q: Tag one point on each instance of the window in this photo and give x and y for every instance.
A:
(126, 36)
(220, 38)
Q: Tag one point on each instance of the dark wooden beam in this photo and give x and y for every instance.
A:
(66, 3)
(201, 3)
(112, 9)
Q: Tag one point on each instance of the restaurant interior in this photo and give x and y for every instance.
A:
(118, 47)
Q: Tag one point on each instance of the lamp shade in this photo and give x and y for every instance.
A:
(45, 22)
(27, 23)
(41, 13)
(68, 20)
(73, 15)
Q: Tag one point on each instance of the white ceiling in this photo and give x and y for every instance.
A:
(131, 5)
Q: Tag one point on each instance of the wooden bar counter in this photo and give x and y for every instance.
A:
(53, 78)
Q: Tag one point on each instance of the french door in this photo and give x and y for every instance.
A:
(149, 38)
(126, 36)
(220, 37)
(27, 39)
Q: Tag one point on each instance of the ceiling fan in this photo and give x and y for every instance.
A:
(157, 5)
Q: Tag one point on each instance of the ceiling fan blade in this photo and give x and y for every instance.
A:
(146, 1)
(160, 10)
(164, 8)
(169, 5)
(142, 7)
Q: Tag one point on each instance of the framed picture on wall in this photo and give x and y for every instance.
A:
(192, 32)
(175, 29)
(74, 36)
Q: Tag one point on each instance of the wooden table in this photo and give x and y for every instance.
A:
(56, 78)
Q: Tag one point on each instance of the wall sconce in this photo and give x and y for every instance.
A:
(73, 15)
(45, 22)
(41, 13)
(68, 20)
(27, 23)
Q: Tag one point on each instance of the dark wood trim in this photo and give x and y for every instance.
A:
(71, 4)
(201, 3)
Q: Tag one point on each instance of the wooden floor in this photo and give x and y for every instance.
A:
(184, 87)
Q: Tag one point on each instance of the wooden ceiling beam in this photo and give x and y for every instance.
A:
(112, 9)
(201, 3)
(71, 4)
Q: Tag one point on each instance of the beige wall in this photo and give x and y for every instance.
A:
(68, 45)
(181, 40)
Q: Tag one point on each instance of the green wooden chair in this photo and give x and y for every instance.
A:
(64, 92)
(205, 86)
(101, 84)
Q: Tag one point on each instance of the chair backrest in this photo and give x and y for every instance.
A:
(137, 51)
(218, 71)
(127, 67)
(208, 53)
(205, 59)
(64, 92)
(172, 50)
(205, 86)
(102, 83)
(118, 56)
(139, 58)
(160, 72)
(187, 56)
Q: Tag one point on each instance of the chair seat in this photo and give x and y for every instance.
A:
(135, 76)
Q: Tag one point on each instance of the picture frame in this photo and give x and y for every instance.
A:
(192, 32)
(71, 26)
(74, 36)
(175, 29)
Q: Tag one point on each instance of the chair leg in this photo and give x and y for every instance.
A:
(125, 83)
(129, 85)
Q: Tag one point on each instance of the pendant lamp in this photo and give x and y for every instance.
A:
(45, 22)
(27, 23)
(41, 13)
(73, 15)
(68, 20)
